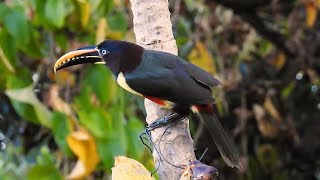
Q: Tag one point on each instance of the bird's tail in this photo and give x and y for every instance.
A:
(224, 145)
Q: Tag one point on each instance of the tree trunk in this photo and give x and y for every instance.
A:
(153, 30)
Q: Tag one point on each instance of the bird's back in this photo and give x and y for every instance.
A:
(169, 77)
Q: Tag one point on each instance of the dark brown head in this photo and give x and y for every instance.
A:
(119, 56)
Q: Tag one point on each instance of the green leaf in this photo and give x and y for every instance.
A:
(21, 78)
(287, 90)
(17, 25)
(96, 120)
(25, 110)
(104, 6)
(27, 95)
(117, 21)
(133, 130)
(3, 10)
(45, 168)
(35, 47)
(265, 46)
(16, 81)
(38, 7)
(191, 5)
(61, 128)
(83, 100)
(117, 119)
(62, 40)
(101, 82)
(45, 157)
(9, 47)
(55, 12)
(109, 148)
(44, 172)
(115, 141)
(2, 78)
(183, 28)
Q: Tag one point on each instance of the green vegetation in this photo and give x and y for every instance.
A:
(268, 61)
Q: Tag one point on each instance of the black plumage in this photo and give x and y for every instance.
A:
(161, 77)
(171, 78)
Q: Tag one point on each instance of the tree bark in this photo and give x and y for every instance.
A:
(153, 30)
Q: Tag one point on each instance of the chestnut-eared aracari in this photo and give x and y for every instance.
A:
(164, 78)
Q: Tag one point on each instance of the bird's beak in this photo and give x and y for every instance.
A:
(88, 54)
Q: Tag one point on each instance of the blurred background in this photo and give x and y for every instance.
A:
(73, 123)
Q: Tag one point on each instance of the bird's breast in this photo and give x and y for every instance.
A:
(122, 82)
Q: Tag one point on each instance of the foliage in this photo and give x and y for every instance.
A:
(95, 124)
(265, 54)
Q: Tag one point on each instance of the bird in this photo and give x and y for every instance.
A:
(163, 78)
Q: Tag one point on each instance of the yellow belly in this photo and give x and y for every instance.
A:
(122, 82)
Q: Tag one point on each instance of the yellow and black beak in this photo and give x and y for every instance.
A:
(88, 54)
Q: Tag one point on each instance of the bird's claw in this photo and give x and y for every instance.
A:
(142, 138)
(172, 117)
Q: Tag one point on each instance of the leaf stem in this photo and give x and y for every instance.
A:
(6, 62)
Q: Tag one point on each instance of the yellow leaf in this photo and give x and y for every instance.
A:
(114, 35)
(118, 3)
(187, 174)
(311, 13)
(129, 169)
(272, 110)
(266, 127)
(104, 32)
(64, 78)
(85, 10)
(279, 61)
(84, 147)
(101, 30)
(53, 100)
(313, 75)
(200, 56)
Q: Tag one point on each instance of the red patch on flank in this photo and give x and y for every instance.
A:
(208, 108)
(156, 100)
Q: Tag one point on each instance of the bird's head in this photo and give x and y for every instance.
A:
(117, 55)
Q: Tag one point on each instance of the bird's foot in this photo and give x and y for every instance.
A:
(145, 136)
(170, 118)
(146, 139)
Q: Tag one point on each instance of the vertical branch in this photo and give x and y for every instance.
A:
(153, 30)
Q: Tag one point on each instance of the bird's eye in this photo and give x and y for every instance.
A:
(104, 52)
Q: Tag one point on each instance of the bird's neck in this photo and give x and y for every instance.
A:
(126, 59)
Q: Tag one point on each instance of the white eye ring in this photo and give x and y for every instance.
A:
(104, 52)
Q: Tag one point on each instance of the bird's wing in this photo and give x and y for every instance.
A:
(201, 75)
(164, 76)
(171, 61)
